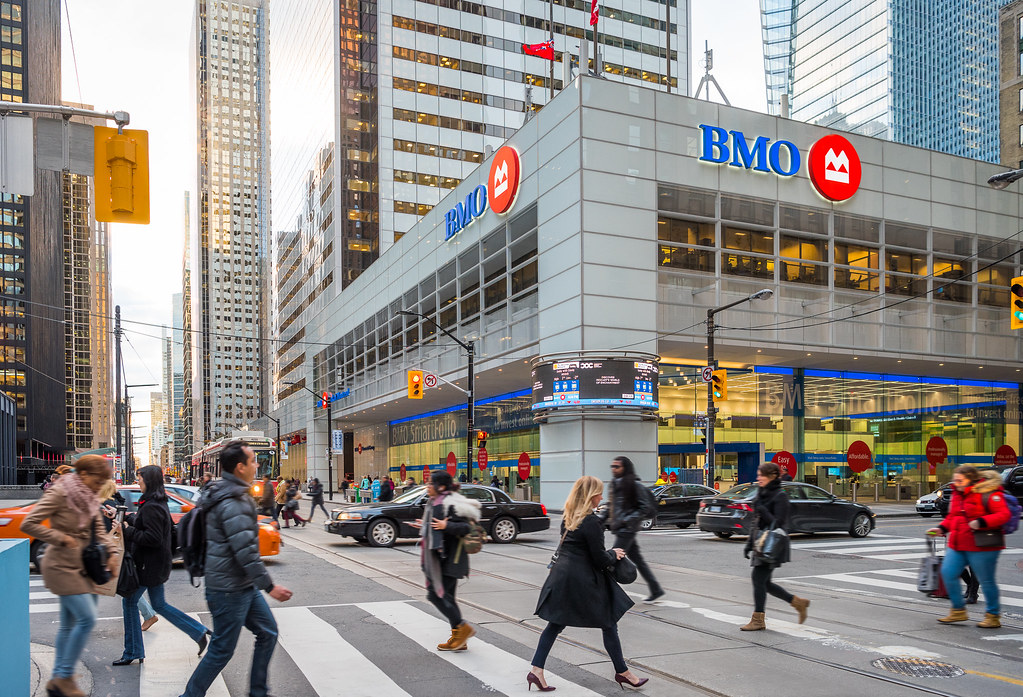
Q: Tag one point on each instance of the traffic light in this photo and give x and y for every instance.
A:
(719, 385)
(1016, 302)
(415, 384)
(481, 439)
(122, 175)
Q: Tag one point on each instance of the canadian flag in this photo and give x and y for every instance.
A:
(594, 12)
(544, 50)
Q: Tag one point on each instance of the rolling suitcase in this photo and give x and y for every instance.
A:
(928, 578)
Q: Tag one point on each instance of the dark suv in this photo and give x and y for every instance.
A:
(1012, 481)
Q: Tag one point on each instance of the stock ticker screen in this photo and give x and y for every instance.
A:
(602, 382)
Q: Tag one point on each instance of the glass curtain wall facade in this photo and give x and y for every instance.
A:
(233, 220)
(922, 74)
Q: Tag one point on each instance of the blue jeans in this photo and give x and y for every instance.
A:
(77, 617)
(133, 646)
(231, 611)
(983, 565)
(145, 608)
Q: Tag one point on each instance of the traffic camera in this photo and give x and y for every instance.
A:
(719, 385)
(415, 384)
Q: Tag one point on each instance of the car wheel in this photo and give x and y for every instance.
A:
(682, 526)
(723, 535)
(646, 524)
(504, 530)
(35, 553)
(382, 533)
(860, 525)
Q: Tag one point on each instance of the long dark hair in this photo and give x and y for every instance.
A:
(442, 479)
(152, 475)
(627, 482)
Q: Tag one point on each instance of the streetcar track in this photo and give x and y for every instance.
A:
(642, 613)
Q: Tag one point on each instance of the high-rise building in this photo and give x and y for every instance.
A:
(1010, 85)
(230, 49)
(184, 437)
(31, 255)
(923, 74)
(158, 435)
(379, 109)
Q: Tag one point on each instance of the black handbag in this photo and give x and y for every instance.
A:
(989, 537)
(128, 579)
(624, 571)
(773, 545)
(94, 560)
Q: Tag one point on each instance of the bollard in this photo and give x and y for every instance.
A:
(898, 492)
(877, 493)
(854, 487)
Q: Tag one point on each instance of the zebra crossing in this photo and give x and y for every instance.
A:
(39, 599)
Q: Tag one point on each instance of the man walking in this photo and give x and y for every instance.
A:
(235, 575)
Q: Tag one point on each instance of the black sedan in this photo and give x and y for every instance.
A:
(677, 504)
(812, 510)
(381, 524)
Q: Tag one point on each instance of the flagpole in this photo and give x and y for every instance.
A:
(551, 27)
(596, 43)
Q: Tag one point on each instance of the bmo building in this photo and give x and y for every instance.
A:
(579, 263)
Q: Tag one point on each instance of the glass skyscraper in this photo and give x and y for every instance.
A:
(910, 71)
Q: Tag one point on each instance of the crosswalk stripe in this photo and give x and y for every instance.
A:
(36, 582)
(880, 541)
(170, 661)
(41, 595)
(499, 670)
(895, 585)
(326, 660)
(921, 555)
(43, 607)
(1003, 587)
(871, 548)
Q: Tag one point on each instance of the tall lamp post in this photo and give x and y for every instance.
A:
(330, 445)
(277, 473)
(470, 349)
(712, 362)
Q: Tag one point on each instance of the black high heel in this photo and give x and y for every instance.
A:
(203, 641)
(623, 681)
(127, 661)
(531, 680)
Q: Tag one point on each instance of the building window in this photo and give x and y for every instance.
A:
(1021, 101)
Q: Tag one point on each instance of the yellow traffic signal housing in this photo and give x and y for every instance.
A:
(481, 439)
(1016, 303)
(719, 385)
(415, 384)
(122, 175)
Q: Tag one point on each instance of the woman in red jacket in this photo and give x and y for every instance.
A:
(977, 505)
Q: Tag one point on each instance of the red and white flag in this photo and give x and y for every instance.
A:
(544, 50)
(594, 13)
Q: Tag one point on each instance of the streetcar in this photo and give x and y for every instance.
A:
(208, 459)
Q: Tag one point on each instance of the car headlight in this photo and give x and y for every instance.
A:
(349, 515)
(919, 502)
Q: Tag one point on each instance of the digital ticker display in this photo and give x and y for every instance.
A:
(601, 382)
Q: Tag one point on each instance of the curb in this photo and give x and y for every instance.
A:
(41, 659)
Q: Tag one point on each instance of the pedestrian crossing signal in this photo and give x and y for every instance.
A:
(719, 385)
(1016, 303)
(481, 439)
(415, 384)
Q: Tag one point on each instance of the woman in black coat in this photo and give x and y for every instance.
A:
(148, 536)
(770, 509)
(579, 590)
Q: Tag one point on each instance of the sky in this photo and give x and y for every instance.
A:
(134, 56)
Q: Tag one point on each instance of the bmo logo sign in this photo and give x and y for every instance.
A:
(834, 166)
(498, 193)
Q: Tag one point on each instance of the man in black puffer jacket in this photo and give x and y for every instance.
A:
(235, 575)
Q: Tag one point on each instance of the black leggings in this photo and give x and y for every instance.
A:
(762, 585)
(446, 605)
(612, 644)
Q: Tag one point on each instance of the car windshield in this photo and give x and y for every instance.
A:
(742, 491)
(411, 495)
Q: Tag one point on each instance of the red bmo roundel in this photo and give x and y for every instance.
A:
(503, 183)
(834, 168)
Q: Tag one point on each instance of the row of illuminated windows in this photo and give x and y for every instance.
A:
(446, 92)
(11, 57)
(11, 80)
(14, 240)
(10, 35)
(11, 11)
(401, 175)
(472, 67)
(419, 209)
(464, 125)
(437, 151)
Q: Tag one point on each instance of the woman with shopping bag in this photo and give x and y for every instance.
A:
(767, 546)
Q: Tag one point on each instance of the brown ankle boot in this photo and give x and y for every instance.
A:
(954, 616)
(755, 624)
(63, 687)
(447, 645)
(461, 634)
(990, 621)
(800, 604)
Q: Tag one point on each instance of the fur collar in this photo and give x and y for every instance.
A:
(985, 485)
(463, 507)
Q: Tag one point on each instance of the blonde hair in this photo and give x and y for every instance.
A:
(577, 506)
(107, 491)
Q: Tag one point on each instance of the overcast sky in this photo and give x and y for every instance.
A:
(134, 56)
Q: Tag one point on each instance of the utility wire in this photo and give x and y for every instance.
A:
(74, 56)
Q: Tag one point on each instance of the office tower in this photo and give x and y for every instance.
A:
(1010, 92)
(923, 74)
(31, 251)
(177, 401)
(158, 425)
(378, 110)
(230, 49)
(184, 341)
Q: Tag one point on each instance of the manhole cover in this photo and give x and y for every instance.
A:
(918, 667)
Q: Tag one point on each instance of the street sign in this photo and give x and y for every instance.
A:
(17, 161)
(707, 373)
(700, 419)
(452, 464)
(430, 380)
(337, 440)
(482, 458)
(858, 456)
(672, 477)
(524, 466)
(1005, 455)
(783, 458)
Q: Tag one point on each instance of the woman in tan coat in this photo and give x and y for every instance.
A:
(72, 507)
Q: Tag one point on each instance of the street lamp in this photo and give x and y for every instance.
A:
(1000, 181)
(470, 349)
(330, 445)
(277, 473)
(712, 363)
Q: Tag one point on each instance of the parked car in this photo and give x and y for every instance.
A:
(381, 524)
(677, 504)
(812, 510)
(183, 491)
(927, 505)
(1012, 481)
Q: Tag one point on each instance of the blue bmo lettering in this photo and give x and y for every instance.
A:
(732, 147)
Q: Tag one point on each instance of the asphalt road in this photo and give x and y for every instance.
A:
(359, 625)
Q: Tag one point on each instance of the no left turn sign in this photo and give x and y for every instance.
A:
(430, 380)
(708, 373)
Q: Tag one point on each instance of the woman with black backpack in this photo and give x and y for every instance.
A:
(148, 535)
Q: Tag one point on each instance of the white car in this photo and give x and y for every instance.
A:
(927, 505)
(188, 493)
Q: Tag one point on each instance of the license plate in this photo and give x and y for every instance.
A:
(714, 509)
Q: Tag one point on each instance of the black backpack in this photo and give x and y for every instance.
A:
(192, 542)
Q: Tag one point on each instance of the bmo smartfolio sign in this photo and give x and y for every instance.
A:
(498, 193)
(833, 164)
